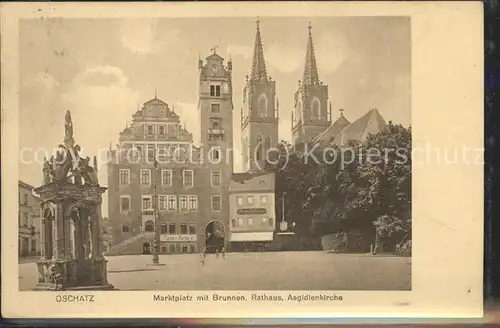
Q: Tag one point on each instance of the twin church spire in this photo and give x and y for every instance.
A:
(310, 75)
(258, 63)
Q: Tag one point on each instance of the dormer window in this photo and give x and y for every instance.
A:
(215, 91)
(161, 130)
(150, 130)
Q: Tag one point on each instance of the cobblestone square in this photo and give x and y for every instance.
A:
(252, 271)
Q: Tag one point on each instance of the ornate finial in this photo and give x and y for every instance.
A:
(340, 110)
(310, 27)
(156, 93)
(95, 164)
(257, 22)
(214, 49)
(68, 127)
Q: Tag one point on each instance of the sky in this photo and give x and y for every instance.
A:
(103, 69)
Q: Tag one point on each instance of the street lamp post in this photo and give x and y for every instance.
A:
(283, 223)
(156, 241)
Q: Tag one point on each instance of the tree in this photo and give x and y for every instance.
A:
(377, 185)
(365, 186)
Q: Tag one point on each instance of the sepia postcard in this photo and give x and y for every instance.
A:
(237, 160)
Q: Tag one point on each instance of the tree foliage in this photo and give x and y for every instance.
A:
(363, 186)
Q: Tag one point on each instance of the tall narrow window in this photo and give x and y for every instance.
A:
(188, 178)
(161, 130)
(184, 229)
(166, 177)
(183, 200)
(25, 199)
(262, 105)
(145, 177)
(193, 203)
(171, 228)
(258, 150)
(250, 200)
(151, 152)
(215, 178)
(216, 203)
(162, 203)
(268, 143)
(239, 200)
(263, 200)
(172, 203)
(163, 229)
(215, 154)
(316, 109)
(192, 228)
(124, 176)
(150, 130)
(217, 90)
(124, 203)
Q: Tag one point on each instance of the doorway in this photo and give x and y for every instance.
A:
(146, 248)
(214, 236)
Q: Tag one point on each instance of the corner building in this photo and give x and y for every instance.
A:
(191, 182)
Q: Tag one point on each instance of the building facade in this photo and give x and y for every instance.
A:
(252, 213)
(29, 221)
(156, 156)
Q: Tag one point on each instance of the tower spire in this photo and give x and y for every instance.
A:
(310, 76)
(258, 63)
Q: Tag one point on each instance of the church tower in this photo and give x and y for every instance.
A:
(259, 112)
(311, 115)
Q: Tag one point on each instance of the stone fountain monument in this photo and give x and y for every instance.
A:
(70, 233)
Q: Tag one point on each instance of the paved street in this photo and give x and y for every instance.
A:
(253, 271)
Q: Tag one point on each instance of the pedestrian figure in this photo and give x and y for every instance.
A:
(203, 255)
(217, 252)
(223, 253)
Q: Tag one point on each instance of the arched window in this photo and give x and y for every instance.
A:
(298, 114)
(262, 104)
(258, 152)
(215, 125)
(315, 109)
(125, 228)
(149, 226)
(245, 148)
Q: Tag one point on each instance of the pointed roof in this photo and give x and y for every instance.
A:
(332, 131)
(258, 63)
(310, 76)
(359, 130)
(215, 57)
